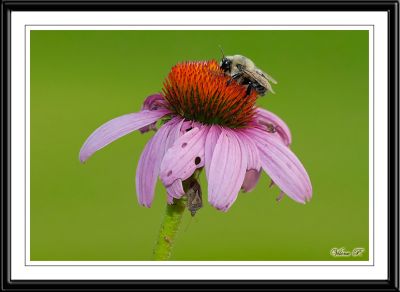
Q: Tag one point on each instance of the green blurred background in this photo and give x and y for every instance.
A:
(81, 79)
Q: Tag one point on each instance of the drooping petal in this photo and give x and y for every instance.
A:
(253, 161)
(170, 199)
(250, 180)
(175, 190)
(265, 117)
(253, 157)
(184, 157)
(261, 133)
(227, 171)
(284, 168)
(148, 167)
(187, 126)
(175, 134)
(150, 127)
(211, 141)
(152, 102)
(117, 128)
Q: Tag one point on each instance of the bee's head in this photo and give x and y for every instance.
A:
(225, 64)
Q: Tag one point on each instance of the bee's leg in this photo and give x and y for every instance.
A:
(249, 88)
(233, 77)
(236, 76)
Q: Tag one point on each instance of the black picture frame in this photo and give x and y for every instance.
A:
(390, 284)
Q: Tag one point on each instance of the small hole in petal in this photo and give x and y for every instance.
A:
(169, 173)
(188, 129)
(197, 160)
(184, 145)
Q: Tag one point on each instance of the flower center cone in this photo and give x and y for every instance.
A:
(201, 91)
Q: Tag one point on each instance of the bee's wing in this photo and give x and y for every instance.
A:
(267, 76)
(260, 78)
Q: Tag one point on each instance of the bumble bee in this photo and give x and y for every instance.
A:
(245, 72)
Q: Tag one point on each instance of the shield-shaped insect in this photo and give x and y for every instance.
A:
(194, 198)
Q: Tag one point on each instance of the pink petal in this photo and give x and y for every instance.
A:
(253, 157)
(170, 200)
(149, 164)
(175, 190)
(250, 180)
(253, 161)
(184, 157)
(187, 126)
(265, 117)
(150, 127)
(261, 133)
(211, 141)
(176, 133)
(284, 168)
(227, 171)
(152, 102)
(117, 128)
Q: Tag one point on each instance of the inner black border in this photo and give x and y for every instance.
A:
(391, 284)
(217, 265)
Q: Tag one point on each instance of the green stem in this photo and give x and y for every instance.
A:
(169, 228)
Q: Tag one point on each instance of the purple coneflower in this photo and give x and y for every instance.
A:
(207, 122)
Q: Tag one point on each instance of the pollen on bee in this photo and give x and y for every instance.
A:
(201, 91)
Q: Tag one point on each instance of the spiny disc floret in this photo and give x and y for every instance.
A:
(201, 91)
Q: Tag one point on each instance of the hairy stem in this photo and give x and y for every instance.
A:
(169, 228)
